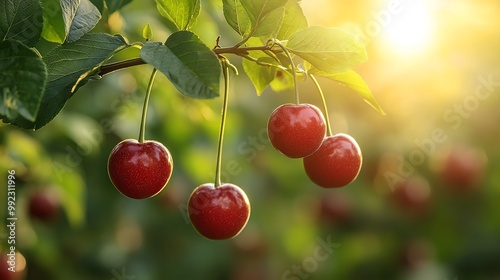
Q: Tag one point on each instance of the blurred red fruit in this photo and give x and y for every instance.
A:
(335, 208)
(463, 168)
(43, 205)
(413, 194)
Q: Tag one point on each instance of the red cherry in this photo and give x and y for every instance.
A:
(335, 208)
(296, 130)
(463, 168)
(251, 243)
(218, 213)
(336, 163)
(6, 268)
(4, 272)
(413, 194)
(416, 253)
(43, 205)
(139, 170)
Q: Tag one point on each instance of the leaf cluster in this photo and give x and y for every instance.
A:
(34, 89)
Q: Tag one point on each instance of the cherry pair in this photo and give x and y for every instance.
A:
(298, 131)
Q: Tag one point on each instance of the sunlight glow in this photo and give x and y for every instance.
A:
(410, 31)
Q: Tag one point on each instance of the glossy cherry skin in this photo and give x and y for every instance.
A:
(139, 170)
(218, 213)
(296, 130)
(336, 163)
(43, 205)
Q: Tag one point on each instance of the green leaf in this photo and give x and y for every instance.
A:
(254, 18)
(68, 9)
(260, 75)
(355, 82)
(263, 15)
(21, 20)
(99, 4)
(269, 25)
(22, 81)
(65, 65)
(258, 9)
(293, 21)
(236, 16)
(331, 50)
(182, 13)
(147, 33)
(79, 16)
(115, 5)
(188, 63)
(53, 24)
(69, 19)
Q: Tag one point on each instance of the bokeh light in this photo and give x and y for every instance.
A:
(410, 31)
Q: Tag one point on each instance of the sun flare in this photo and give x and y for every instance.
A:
(411, 31)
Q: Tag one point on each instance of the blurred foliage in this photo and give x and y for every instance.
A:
(102, 235)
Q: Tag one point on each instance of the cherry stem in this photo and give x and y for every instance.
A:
(142, 130)
(325, 107)
(218, 167)
(294, 70)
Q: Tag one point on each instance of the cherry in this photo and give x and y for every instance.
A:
(296, 130)
(415, 254)
(463, 168)
(335, 209)
(251, 243)
(139, 170)
(4, 272)
(218, 212)
(336, 163)
(19, 270)
(43, 205)
(413, 194)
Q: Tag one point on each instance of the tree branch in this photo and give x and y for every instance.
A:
(115, 66)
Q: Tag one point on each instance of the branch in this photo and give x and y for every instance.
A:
(115, 66)
(240, 51)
